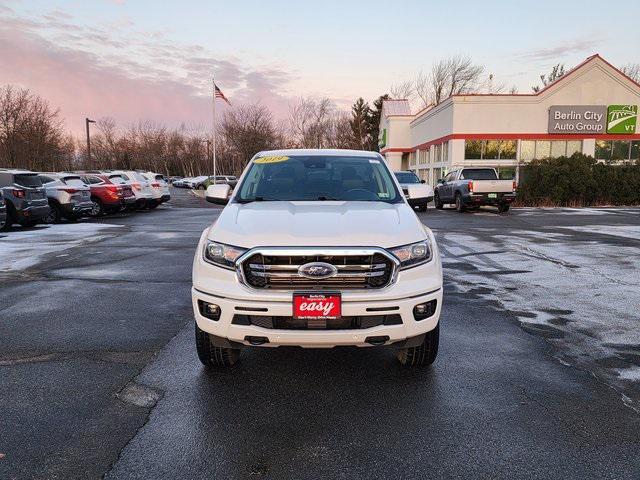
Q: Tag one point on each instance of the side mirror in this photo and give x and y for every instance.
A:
(441, 180)
(423, 181)
(418, 190)
(218, 194)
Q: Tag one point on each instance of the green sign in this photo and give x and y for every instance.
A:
(622, 119)
(382, 138)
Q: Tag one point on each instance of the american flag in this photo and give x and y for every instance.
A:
(217, 93)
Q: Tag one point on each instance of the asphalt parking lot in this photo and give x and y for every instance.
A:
(538, 374)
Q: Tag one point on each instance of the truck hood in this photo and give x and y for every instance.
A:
(318, 224)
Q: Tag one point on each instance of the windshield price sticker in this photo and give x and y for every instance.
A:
(272, 159)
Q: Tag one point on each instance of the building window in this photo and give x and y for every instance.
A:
(527, 150)
(445, 152)
(558, 149)
(543, 149)
(473, 149)
(617, 150)
(530, 149)
(635, 150)
(437, 175)
(574, 146)
(490, 149)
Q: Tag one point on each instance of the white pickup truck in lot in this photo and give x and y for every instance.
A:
(473, 187)
(316, 248)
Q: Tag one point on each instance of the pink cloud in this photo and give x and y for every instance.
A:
(55, 60)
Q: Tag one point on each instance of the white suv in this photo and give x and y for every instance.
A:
(316, 248)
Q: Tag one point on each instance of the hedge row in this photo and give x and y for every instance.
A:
(578, 181)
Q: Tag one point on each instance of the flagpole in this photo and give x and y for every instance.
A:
(213, 91)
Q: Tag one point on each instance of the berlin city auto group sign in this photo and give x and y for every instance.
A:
(597, 119)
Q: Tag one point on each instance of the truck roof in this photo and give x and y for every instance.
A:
(319, 151)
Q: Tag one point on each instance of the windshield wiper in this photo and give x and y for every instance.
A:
(255, 199)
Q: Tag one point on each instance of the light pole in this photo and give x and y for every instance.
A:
(87, 122)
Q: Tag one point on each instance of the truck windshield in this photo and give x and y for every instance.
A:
(407, 177)
(317, 177)
(478, 174)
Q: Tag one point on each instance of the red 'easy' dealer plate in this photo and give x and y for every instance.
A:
(317, 306)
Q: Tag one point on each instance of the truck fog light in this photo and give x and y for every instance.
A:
(209, 310)
(425, 310)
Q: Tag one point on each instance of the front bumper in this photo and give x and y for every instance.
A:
(222, 287)
(325, 338)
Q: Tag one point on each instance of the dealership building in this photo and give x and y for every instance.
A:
(592, 109)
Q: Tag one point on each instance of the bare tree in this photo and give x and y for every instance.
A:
(310, 122)
(556, 72)
(632, 70)
(422, 86)
(403, 90)
(448, 76)
(31, 134)
(246, 129)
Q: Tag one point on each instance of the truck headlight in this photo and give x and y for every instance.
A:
(413, 254)
(222, 255)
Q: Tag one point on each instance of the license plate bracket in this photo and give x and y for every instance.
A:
(317, 305)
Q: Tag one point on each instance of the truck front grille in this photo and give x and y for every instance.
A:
(345, 323)
(358, 270)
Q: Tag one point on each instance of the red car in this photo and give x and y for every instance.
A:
(109, 193)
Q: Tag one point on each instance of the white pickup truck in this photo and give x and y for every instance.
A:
(474, 187)
(316, 248)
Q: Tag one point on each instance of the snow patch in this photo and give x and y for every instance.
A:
(20, 250)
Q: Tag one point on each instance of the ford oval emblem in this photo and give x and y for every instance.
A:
(317, 270)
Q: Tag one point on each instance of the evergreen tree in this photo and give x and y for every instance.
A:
(374, 123)
(360, 113)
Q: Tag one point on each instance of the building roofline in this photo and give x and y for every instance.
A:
(533, 94)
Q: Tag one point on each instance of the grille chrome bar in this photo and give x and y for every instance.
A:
(277, 267)
(259, 266)
(339, 276)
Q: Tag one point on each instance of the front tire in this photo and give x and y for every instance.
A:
(459, 204)
(212, 356)
(438, 202)
(424, 354)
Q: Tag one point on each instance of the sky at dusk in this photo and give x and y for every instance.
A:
(135, 59)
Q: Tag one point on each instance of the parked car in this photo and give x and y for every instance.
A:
(407, 178)
(182, 182)
(25, 198)
(230, 180)
(109, 193)
(173, 179)
(3, 212)
(160, 188)
(140, 185)
(474, 187)
(348, 264)
(198, 183)
(69, 197)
